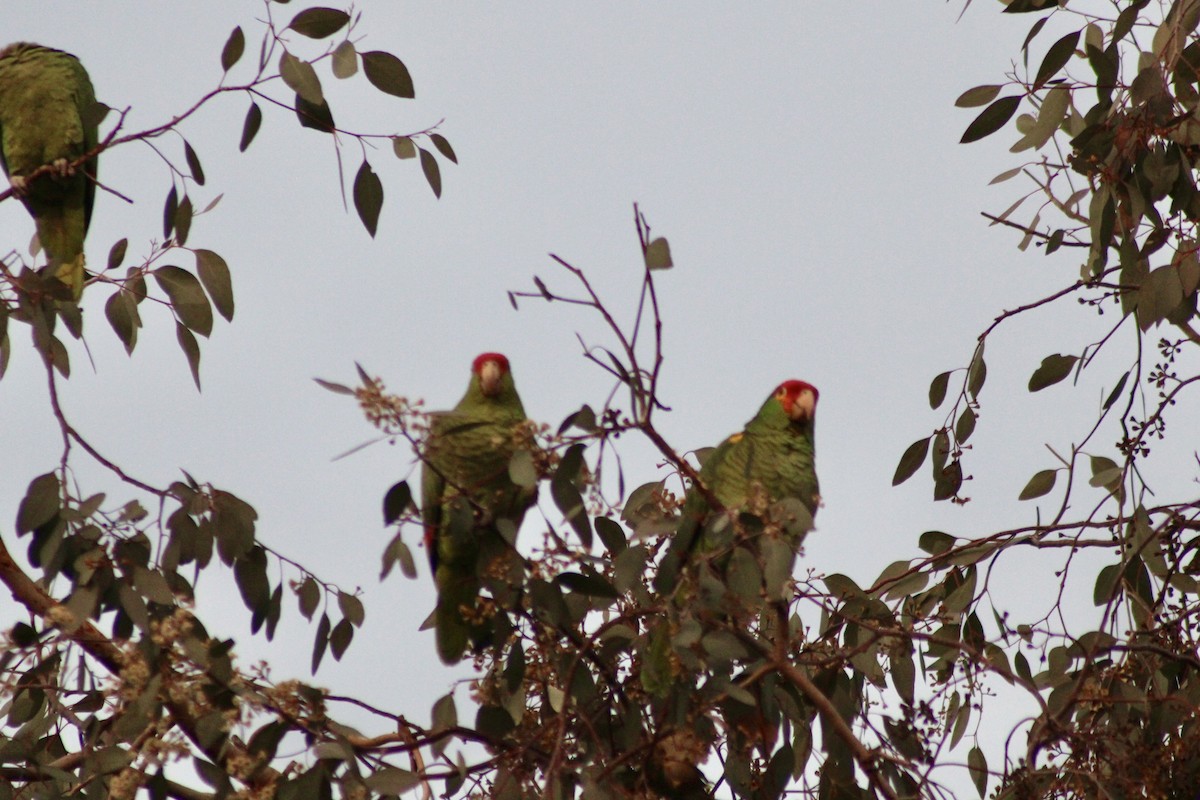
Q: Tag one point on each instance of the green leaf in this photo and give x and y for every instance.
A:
(1027, 6)
(1056, 58)
(521, 468)
(214, 275)
(336, 388)
(1007, 174)
(1116, 392)
(183, 220)
(234, 525)
(904, 676)
(396, 501)
(935, 542)
(309, 596)
(1040, 484)
(1159, 295)
(433, 174)
(948, 481)
(187, 298)
(842, 586)
(911, 461)
(592, 585)
(41, 503)
(403, 147)
(388, 74)
(250, 126)
(116, 255)
(1105, 471)
(169, 209)
(444, 715)
(778, 555)
(907, 586)
(991, 119)
(977, 764)
(266, 739)
(1056, 239)
(937, 389)
(391, 781)
(1054, 368)
(320, 642)
(1126, 19)
(658, 254)
(191, 349)
(443, 146)
(963, 595)
(977, 373)
(611, 534)
(235, 45)
(978, 96)
(121, 312)
(397, 552)
(250, 574)
(339, 640)
(317, 116)
(368, 197)
(193, 162)
(570, 503)
(319, 22)
(941, 452)
(1050, 116)
(743, 576)
(153, 586)
(584, 419)
(301, 78)
(965, 426)
(1106, 584)
(723, 647)
(345, 60)
(1021, 667)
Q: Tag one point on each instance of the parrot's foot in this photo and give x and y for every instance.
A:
(20, 186)
(61, 168)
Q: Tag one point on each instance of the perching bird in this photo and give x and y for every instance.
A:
(467, 494)
(772, 459)
(48, 116)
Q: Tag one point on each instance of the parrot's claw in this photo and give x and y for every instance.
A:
(19, 185)
(62, 168)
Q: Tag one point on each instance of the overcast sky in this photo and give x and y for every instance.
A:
(802, 159)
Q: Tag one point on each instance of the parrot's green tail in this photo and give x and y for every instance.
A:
(61, 229)
(71, 273)
(456, 594)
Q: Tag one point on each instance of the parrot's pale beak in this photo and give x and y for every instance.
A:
(803, 407)
(489, 377)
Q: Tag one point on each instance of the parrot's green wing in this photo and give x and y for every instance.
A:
(48, 115)
(468, 502)
(693, 515)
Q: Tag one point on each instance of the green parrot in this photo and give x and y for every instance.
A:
(771, 460)
(468, 499)
(48, 116)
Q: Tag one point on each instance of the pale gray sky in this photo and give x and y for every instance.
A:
(801, 157)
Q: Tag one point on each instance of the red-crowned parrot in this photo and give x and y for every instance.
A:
(771, 460)
(48, 115)
(767, 471)
(468, 498)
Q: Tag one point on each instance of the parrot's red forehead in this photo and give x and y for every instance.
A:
(483, 358)
(798, 399)
(793, 389)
